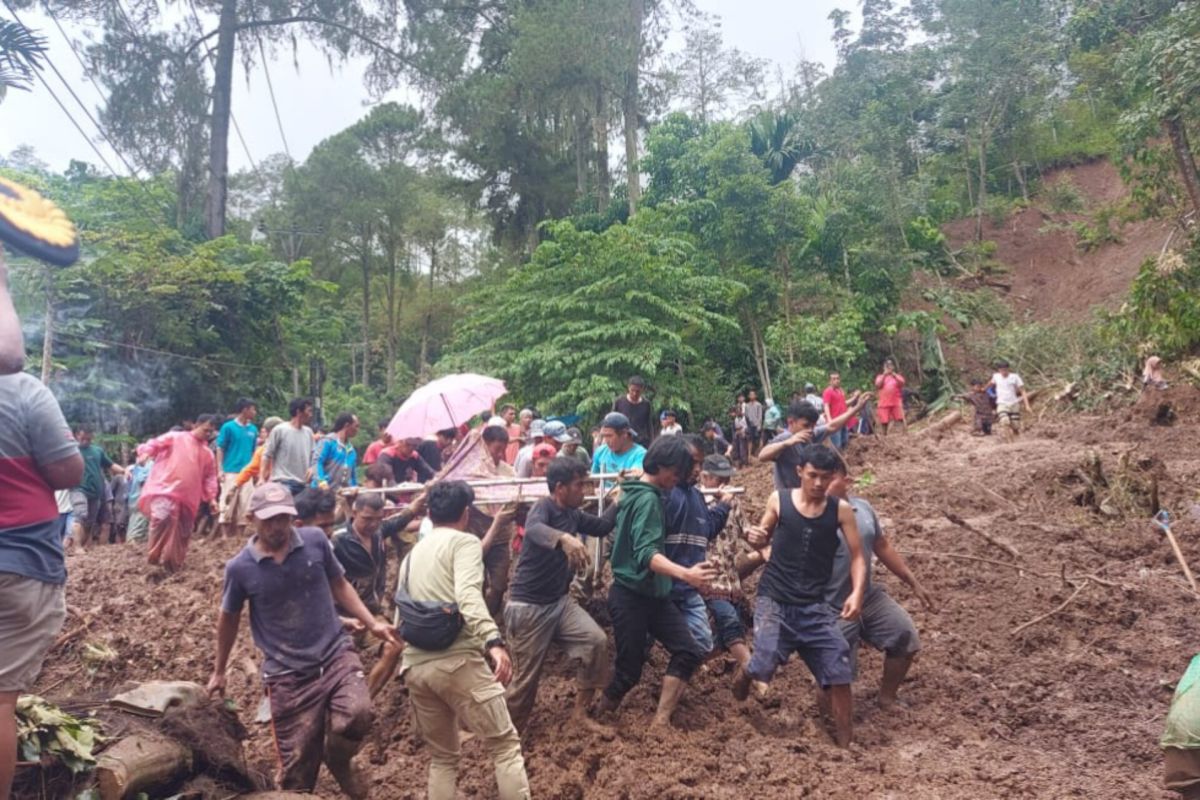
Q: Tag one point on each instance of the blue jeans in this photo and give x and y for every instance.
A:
(727, 622)
(295, 487)
(692, 606)
(841, 437)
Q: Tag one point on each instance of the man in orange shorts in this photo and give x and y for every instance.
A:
(890, 407)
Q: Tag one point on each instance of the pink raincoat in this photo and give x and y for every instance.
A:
(184, 475)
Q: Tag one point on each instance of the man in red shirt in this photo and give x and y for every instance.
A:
(835, 405)
(375, 448)
(37, 457)
(890, 408)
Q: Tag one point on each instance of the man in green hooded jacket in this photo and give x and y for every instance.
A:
(639, 601)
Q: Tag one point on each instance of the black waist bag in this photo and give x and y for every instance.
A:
(427, 624)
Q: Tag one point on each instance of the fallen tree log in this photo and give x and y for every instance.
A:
(992, 540)
(141, 763)
(949, 420)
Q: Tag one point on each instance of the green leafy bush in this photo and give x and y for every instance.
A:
(47, 734)
(1103, 229)
(1163, 311)
(1090, 354)
(998, 209)
(1063, 196)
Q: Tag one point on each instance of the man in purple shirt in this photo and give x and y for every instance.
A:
(320, 707)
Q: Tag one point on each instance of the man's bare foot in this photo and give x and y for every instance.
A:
(660, 723)
(584, 722)
(741, 685)
(351, 780)
(761, 690)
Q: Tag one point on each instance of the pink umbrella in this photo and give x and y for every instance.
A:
(445, 403)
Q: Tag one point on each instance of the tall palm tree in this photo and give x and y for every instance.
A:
(777, 139)
(21, 52)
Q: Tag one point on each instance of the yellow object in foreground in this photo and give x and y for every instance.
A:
(35, 225)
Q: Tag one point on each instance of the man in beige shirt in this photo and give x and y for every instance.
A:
(445, 686)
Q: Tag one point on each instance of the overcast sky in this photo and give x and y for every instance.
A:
(315, 101)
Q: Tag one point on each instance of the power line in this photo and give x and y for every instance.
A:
(136, 197)
(83, 105)
(157, 351)
(271, 88)
(91, 79)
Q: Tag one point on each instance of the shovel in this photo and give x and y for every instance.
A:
(1163, 520)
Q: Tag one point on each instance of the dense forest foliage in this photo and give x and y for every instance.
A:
(578, 199)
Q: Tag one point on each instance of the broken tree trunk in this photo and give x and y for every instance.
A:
(992, 540)
(141, 763)
(936, 429)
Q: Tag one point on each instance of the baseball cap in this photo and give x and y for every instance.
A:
(544, 450)
(718, 465)
(271, 500)
(557, 430)
(666, 412)
(709, 426)
(537, 428)
(808, 387)
(617, 421)
(575, 434)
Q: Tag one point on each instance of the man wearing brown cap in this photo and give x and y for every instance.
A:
(320, 707)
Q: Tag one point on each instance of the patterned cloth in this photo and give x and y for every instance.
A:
(727, 548)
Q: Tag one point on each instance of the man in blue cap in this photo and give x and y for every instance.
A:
(620, 452)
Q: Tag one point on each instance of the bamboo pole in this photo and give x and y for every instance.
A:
(472, 482)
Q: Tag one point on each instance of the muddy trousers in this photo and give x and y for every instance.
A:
(532, 628)
(462, 686)
(307, 710)
(497, 561)
(634, 616)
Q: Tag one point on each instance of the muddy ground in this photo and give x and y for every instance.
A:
(1070, 707)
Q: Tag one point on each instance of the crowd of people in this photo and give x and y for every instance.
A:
(483, 590)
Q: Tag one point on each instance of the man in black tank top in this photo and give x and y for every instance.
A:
(790, 613)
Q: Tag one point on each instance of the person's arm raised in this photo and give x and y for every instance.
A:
(857, 402)
(759, 536)
(770, 452)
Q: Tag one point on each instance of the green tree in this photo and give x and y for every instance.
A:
(137, 66)
(591, 308)
(21, 54)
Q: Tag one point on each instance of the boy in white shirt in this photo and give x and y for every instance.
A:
(668, 425)
(1010, 396)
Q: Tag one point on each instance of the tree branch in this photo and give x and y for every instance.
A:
(264, 23)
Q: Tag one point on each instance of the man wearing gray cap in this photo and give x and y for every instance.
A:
(574, 448)
(523, 464)
(554, 431)
(320, 708)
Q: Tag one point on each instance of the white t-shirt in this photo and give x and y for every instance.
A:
(1007, 388)
(671, 430)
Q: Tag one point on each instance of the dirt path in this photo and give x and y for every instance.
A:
(1071, 706)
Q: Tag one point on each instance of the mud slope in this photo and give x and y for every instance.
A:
(1070, 707)
(1051, 278)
